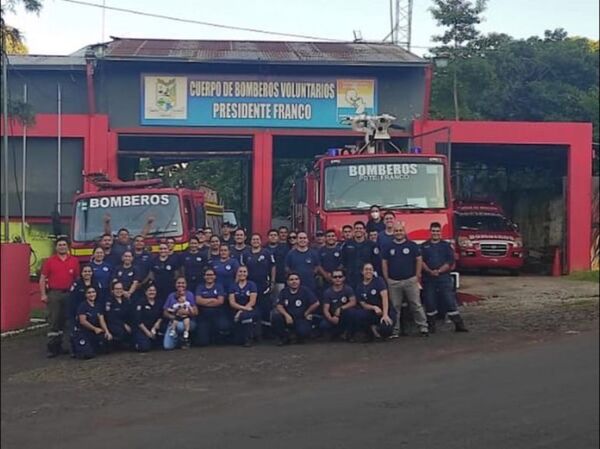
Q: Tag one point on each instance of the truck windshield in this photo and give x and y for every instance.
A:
(391, 185)
(478, 222)
(129, 211)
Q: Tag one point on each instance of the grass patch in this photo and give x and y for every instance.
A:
(590, 276)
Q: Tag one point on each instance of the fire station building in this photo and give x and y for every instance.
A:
(104, 107)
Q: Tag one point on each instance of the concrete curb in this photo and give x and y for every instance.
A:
(37, 323)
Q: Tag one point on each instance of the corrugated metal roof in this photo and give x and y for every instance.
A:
(48, 61)
(335, 53)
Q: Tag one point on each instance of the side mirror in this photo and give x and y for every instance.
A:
(515, 227)
(300, 191)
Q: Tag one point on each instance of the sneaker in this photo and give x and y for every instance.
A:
(172, 333)
(394, 335)
(186, 335)
(424, 333)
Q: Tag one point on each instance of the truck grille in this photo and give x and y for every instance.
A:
(494, 249)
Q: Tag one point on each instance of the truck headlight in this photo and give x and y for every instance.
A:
(464, 242)
(518, 242)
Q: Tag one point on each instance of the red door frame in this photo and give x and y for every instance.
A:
(576, 137)
(100, 155)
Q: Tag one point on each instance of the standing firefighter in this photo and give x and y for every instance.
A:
(438, 260)
(59, 272)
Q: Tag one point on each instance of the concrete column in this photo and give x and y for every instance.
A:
(262, 181)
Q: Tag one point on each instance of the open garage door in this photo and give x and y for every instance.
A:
(528, 181)
(222, 162)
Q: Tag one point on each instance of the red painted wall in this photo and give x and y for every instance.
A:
(577, 137)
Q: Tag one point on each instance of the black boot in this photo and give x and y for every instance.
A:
(431, 323)
(53, 350)
(459, 325)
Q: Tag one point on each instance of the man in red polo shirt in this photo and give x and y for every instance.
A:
(59, 272)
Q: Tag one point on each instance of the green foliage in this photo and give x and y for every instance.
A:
(12, 42)
(554, 78)
(459, 18)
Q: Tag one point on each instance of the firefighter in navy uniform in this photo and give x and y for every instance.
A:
(357, 252)
(142, 259)
(438, 260)
(193, 263)
(293, 311)
(147, 322)
(239, 250)
(128, 275)
(339, 308)
(116, 317)
(330, 257)
(163, 270)
(89, 332)
(261, 270)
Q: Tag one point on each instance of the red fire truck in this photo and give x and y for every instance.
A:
(176, 213)
(342, 186)
(486, 238)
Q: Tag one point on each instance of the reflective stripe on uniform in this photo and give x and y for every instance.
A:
(54, 334)
(433, 313)
(456, 312)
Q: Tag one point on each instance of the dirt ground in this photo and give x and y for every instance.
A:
(60, 392)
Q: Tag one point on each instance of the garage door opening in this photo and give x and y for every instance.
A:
(528, 181)
(294, 155)
(221, 162)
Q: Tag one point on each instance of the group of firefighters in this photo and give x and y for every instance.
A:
(225, 289)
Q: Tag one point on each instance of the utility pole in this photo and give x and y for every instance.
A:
(5, 141)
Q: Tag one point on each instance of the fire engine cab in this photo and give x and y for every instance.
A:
(176, 212)
(342, 185)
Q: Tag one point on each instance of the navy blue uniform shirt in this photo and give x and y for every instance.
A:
(164, 274)
(102, 275)
(402, 259)
(226, 271)
(147, 313)
(356, 254)
(259, 268)
(240, 255)
(437, 254)
(242, 294)
(126, 276)
(280, 251)
(143, 262)
(375, 226)
(193, 265)
(371, 292)
(77, 295)
(117, 313)
(330, 258)
(210, 292)
(297, 303)
(384, 241)
(304, 263)
(337, 299)
(92, 314)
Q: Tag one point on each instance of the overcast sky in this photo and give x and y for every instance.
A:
(62, 27)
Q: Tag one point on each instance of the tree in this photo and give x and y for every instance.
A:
(460, 18)
(13, 43)
(550, 78)
(11, 36)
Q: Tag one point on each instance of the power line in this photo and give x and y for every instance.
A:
(199, 22)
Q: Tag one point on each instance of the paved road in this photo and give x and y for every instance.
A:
(531, 395)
